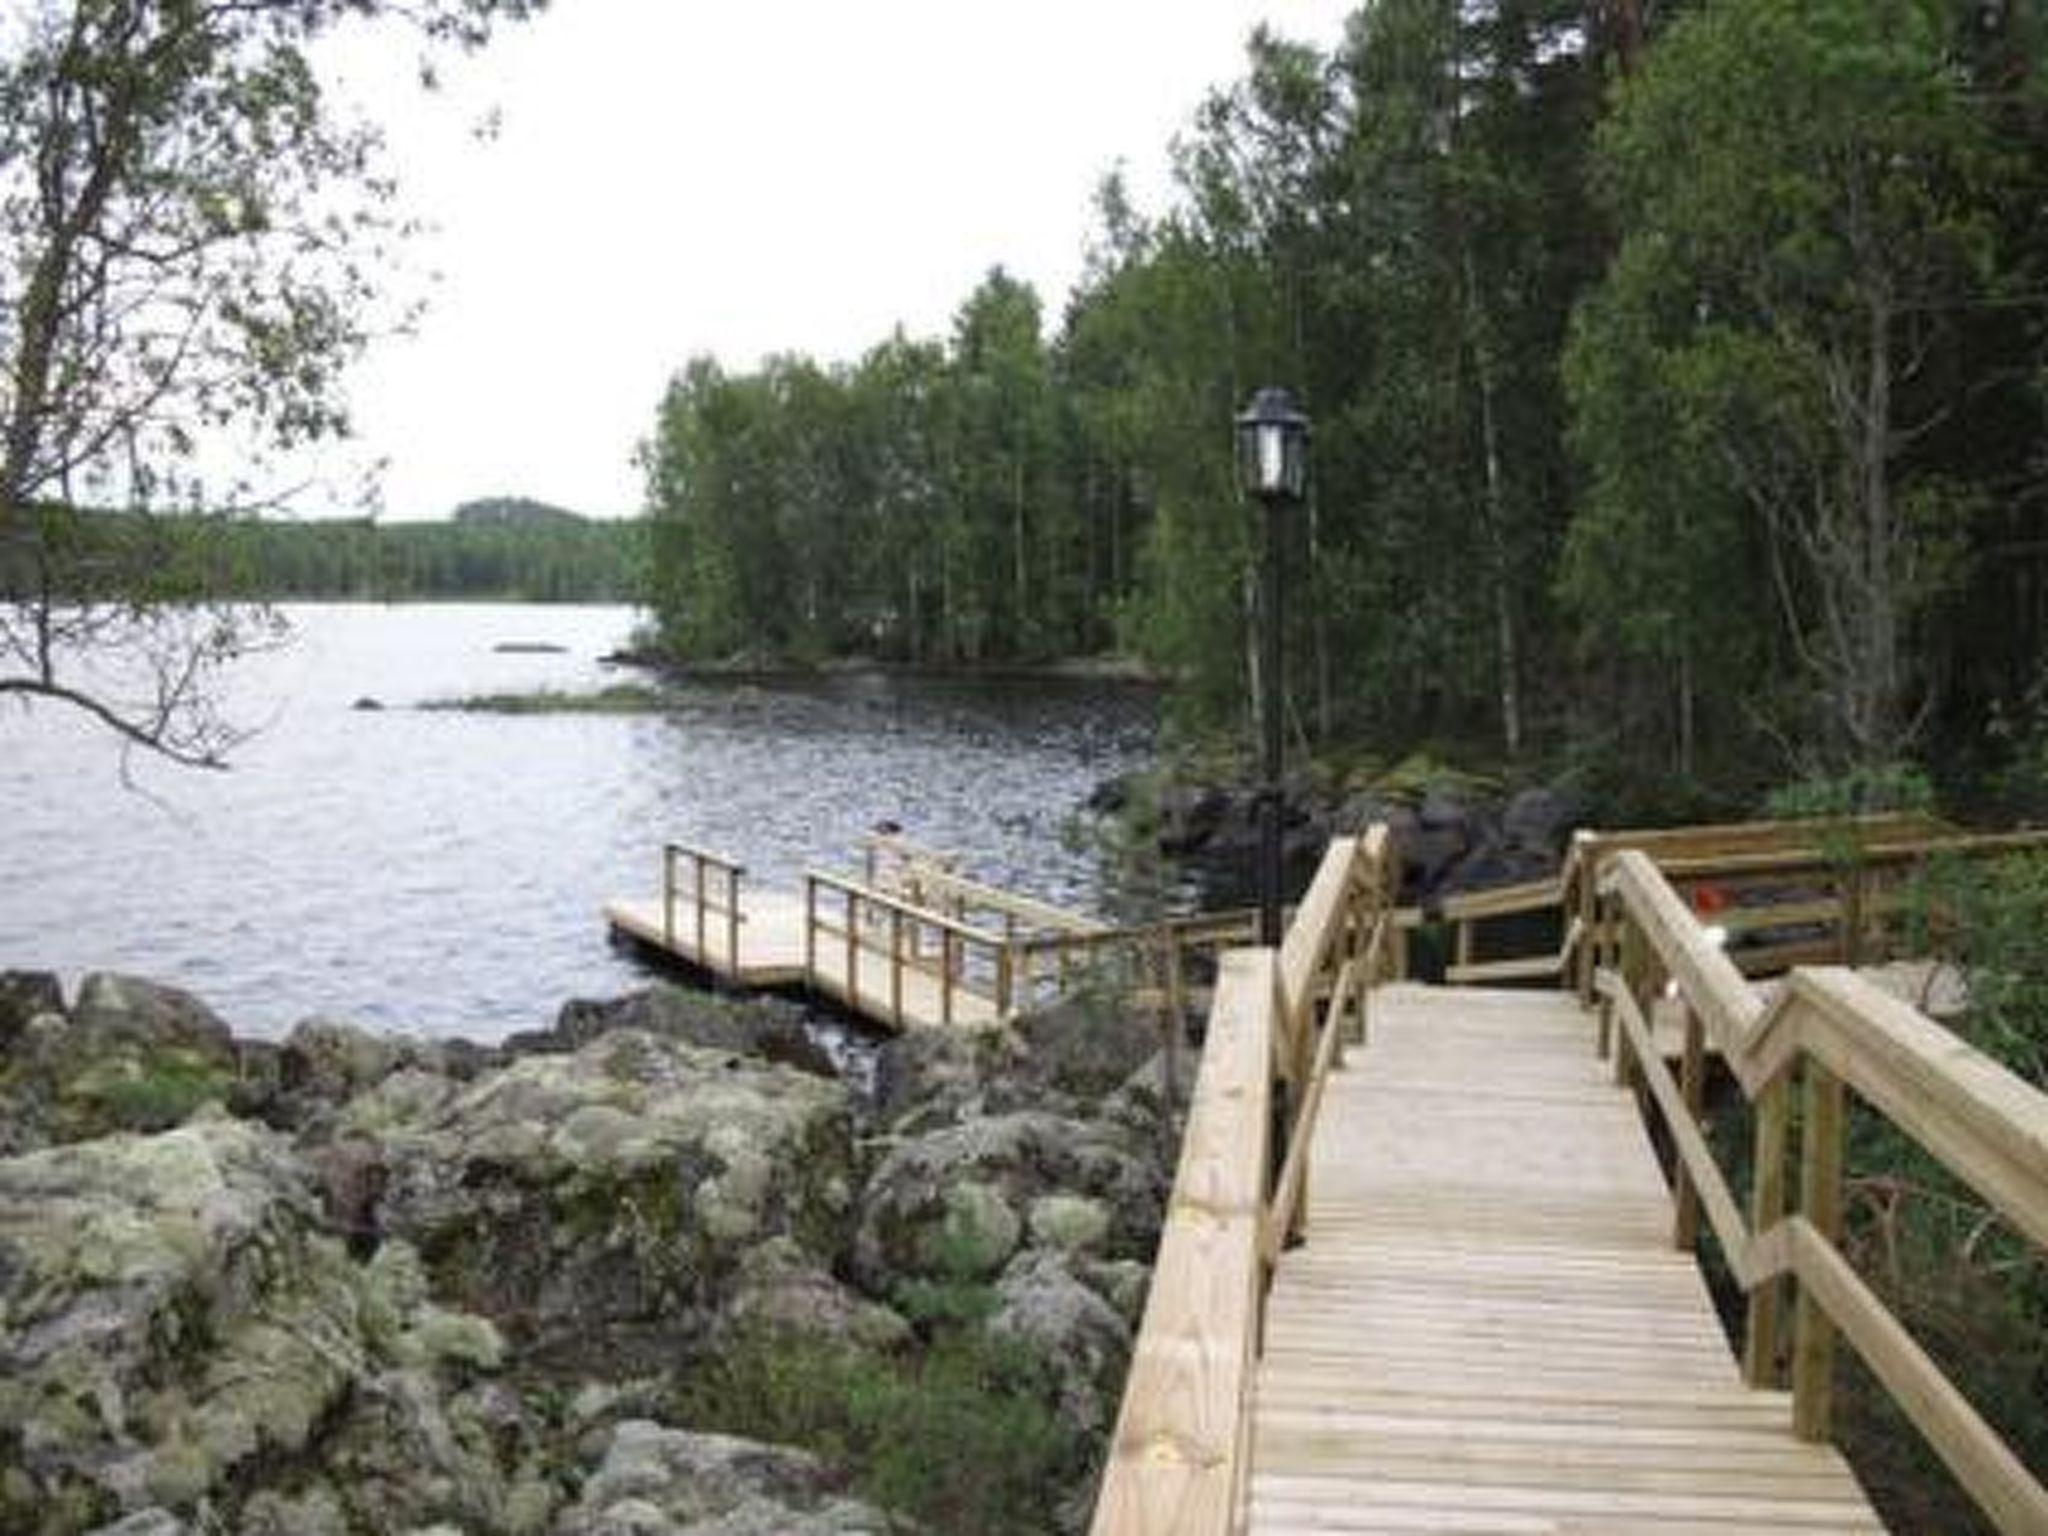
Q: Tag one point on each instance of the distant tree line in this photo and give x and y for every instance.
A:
(563, 558)
(1676, 374)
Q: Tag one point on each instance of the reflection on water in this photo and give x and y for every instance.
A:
(442, 872)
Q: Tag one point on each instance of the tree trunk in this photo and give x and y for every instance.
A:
(1506, 641)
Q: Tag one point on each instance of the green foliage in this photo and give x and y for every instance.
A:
(962, 1437)
(1990, 919)
(1808, 197)
(1857, 792)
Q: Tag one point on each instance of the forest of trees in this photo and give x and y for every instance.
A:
(1677, 376)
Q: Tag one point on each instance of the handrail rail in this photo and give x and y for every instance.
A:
(1180, 1456)
(1835, 1033)
(1863, 854)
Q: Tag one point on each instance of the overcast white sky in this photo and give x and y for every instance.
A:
(674, 177)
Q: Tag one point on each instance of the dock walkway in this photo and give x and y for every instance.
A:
(1488, 1328)
(1424, 1268)
(908, 942)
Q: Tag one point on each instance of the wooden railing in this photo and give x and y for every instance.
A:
(958, 957)
(1787, 893)
(1180, 1456)
(1468, 910)
(710, 886)
(1827, 1034)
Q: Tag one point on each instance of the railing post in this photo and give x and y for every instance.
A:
(852, 949)
(1692, 1087)
(896, 965)
(732, 917)
(947, 940)
(697, 885)
(1005, 967)
(1820, 1202)
(1633, 967)
(810, 930)
(1585, 862)
(1766, 1210)
(668, 896)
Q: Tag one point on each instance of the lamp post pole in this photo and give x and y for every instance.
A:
(1272, 459)
(1270, 726)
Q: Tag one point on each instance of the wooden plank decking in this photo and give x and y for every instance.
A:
(1488, 1328)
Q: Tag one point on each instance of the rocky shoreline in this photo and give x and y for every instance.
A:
(577, 1284)
(1452, 837)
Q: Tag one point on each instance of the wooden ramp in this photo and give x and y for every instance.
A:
(1488, 1328)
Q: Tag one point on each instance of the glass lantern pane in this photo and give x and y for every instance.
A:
(1272, 456)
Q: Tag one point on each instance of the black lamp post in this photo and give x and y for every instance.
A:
(1272, 465)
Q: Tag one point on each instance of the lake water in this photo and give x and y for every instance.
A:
(442, 872)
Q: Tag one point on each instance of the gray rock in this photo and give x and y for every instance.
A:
(953, 1199)
(167, 1317)
(130, 1008)
(173, 1324)
(1079, 1336)
(781, 1289)
(1540, 820)
(619, 1185)
(766, 1027)
(23, 995)
(145, 1522)
(1086, 1045)
(656, 1481)
(330, 1060)
(406, 1456)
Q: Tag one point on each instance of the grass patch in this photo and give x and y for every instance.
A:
(619, 699)
(961, 1437)
(151, 1092)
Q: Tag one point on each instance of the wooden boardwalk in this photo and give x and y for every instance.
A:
(1488, 1328)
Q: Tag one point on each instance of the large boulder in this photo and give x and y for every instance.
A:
(656, 1481)
(1081, 1338)
(25, 995)
(130, 1056)
(111, 1007)
(618, 1186)
(1086, 1045)
(956, 1204)
(763, 1026)
(165, 1318)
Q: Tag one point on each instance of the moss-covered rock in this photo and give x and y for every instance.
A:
(165, 1315)
(620, 1184)
(657, 1481)
(948, 1205)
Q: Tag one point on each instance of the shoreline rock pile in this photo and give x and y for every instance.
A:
(351, 1283)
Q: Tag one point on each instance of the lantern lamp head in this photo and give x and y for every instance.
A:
(1272, 447)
